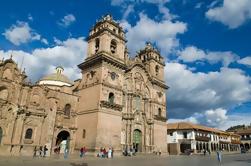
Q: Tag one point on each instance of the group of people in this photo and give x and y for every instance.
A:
(103, 153)
(129, 152)
(83, 150)
(42, 151)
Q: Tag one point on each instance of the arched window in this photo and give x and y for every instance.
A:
(111, 98)
(67, 109)
(159, 112)
(157, 69)
(84, 133)
(97, 45)
(137, 103)
(113, 46)
(28, 133)
(3, 93)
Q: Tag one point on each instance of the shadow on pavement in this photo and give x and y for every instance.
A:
(82, 164)
(247, 161)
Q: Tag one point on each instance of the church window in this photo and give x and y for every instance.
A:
(113, 46)
(97, 45)
(67, 110)
(111, 98)
(138, 103)
(28, 133)
(157, 69)
(113, 75)
(84, 133)
(3, 93)
(159, 112)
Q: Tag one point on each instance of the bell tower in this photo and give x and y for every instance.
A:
(154, 62)
(107, 37)
(100, 90)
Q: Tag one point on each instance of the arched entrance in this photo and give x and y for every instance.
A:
(137, 140)
(1, 135)
(63, 140)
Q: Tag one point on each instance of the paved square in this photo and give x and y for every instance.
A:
(196, 160)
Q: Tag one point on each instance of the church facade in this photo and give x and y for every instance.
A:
(119, 102)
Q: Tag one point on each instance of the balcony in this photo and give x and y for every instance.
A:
(110, 105)
(235, 142)
(127, 116)
(150, 121)
(160, 118)
(202, 138)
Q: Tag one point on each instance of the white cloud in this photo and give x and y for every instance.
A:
(236, 119)
(30, 17)
(232, 13)
(195, 92)
(162, 33)
(67, 20)
(43, 40)
(245, 61)
(128, 11)
(43, 61)
(192, 54)
(216, 117)
(21, 33)
(127, 7)
(198, 5)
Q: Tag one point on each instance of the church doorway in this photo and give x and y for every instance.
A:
(137, 140)
(1, 135)
(63, 140)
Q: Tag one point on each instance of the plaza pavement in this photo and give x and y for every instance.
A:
(140, 160)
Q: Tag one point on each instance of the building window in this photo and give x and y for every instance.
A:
(113, 46)
(137, 103)
(111, 98)
(28, 133)
(171, 134)
(84, 133)
(185, 134)
(157, 69)
(67, 110)
(97, 45)
(159, 112)
(3, 93)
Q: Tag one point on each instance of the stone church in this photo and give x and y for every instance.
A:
(119, 102)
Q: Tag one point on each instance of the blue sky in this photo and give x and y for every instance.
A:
(206, 44)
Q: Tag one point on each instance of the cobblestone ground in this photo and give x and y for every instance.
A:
(149, 160)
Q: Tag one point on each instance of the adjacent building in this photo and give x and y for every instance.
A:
(119, 102)
(245, 134)
(184, 136)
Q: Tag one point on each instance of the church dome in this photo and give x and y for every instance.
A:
(56, 79)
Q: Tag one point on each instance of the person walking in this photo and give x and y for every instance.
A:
(84, 150)
(81, 152)
(35, 152)
(66, 153)
(112, 152)
(219, 157)
(40, 151)
(109, 153)
(45, 150)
